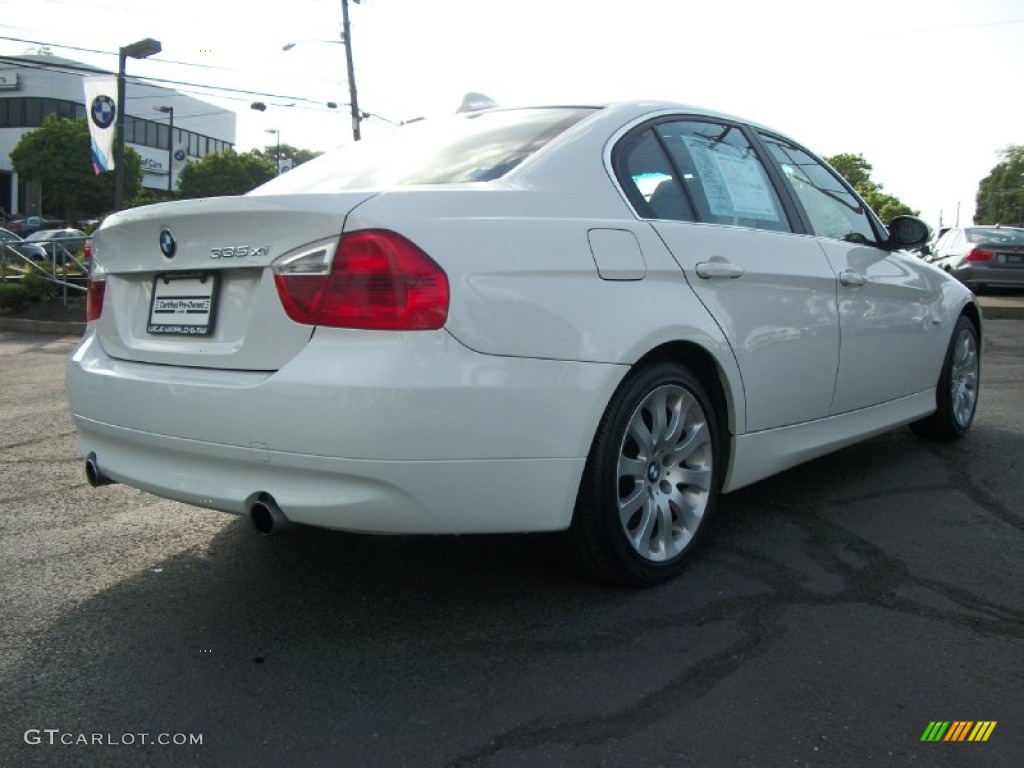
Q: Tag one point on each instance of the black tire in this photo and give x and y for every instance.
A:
(641, 510)
(956, 394)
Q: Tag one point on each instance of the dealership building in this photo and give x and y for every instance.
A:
(34, 86)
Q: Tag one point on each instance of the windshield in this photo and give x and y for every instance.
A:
(479, 146)
(996, 236)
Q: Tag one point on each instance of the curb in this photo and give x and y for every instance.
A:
(42, 326)
(1001, 309)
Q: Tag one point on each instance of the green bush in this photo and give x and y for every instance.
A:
(13, 296)
(38, 288)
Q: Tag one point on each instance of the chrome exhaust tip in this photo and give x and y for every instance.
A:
(93, 474)
(267, 518)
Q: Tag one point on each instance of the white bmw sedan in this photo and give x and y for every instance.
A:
(585, 319)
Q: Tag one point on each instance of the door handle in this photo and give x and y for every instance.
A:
(851, 278)
(712, 269)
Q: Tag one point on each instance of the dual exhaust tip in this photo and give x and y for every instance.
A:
(266, 517)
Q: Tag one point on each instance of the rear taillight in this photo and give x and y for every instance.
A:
(87, 250)
(377, 280)
(94, 298)
(978, 254)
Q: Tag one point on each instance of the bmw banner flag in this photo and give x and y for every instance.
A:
(179, 159)
(101, 107)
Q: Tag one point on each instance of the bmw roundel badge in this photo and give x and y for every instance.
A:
(168, 246)
(104, 110)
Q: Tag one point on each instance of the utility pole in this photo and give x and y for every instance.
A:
(346, 35)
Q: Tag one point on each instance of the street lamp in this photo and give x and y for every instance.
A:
(169, 111)
(137, 50)
(278, 133)
(346, 40)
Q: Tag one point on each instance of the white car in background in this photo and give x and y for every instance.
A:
(588, 319)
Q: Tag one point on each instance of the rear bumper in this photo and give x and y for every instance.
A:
(1006, 277)
(410, 434)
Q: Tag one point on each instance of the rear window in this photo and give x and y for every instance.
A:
(481, 146)
(996, 236)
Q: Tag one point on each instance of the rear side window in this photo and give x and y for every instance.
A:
(723, 175)
(649, 179)
(482, 146)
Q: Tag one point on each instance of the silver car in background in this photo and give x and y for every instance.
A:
(983, 257)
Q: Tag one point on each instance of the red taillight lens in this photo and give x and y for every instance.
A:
(977, 254)
(94, 298)
(87, 250)
(378, 280)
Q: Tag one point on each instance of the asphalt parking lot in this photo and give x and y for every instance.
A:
(834, 613)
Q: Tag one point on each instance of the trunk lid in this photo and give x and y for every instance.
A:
(168, 264)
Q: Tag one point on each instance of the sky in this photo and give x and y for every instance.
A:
(929, 91)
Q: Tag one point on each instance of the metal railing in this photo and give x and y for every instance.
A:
(13, 259)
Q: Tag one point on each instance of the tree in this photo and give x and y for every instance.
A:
(857, 171)
(288, 153)
(59, 157)
(1000, 197)
(225, 173)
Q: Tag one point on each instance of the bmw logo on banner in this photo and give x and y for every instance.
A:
(101, 96)
(104, 111)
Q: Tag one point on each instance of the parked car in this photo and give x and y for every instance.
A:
(59, 244)
(585, 319)
(15, 247)
(983, 257)
(6, 236)
(26, 226)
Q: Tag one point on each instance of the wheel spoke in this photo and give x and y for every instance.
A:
(629, 505)
(659, 423)
(698, 477)
(635, 468)
(677, 425)
(642, 537)
(696, 439)
(639, 432)
(666, 533)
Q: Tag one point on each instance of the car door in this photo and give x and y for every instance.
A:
(773, 293)
(889, 302)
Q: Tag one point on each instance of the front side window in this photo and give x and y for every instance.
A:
(832, 210)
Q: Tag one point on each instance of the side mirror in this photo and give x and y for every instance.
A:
(907, 232)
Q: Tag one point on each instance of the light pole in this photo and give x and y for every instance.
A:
(169, 111)
(137, 50)
(346, 40)
(278, 133)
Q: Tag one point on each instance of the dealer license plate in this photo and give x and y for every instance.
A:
(183, 304)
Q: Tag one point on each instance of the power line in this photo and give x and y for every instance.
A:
(71, 69)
